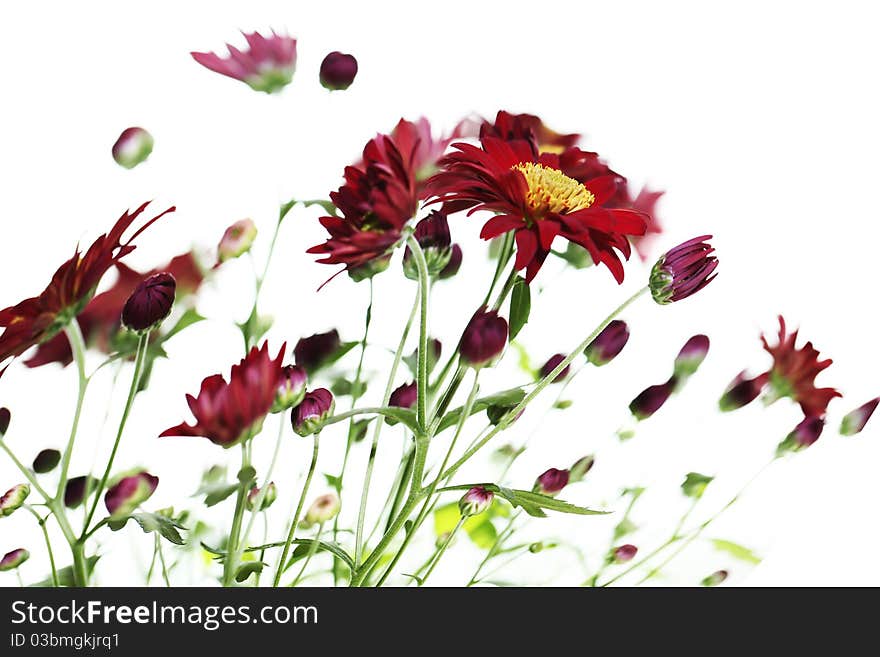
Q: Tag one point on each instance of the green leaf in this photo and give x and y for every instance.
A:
(531, 502)
(247, 476)
(342, 386)
(506, 398)
(358, 429)
(326, 205)
(65, 575)
(334, 482)
(575, 255)
(154, 522)
(479, 528)
(694, 484)
(247, 569)
(218, 492)
(520, 306)
(327, 546)
(736, 550)
(186, 320)
(562, 404)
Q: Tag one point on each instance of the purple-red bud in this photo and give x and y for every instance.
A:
(129, 492)
(683, 270)
(475, 501)
(803, 435)
(580, 468)
(291, 388)
(454, 264)
(691, 356)
(5, 418)
(132, 147)
(624, 553)
(715, 578)
(651, 399)
(741, 391)
(150, 303)
(76, 490)
(13, 499)
(432, 234)
(312, 412)
(854, 421)
(608, 344)
(404, 396)
(315, 350)
(13, 559)
(483, 339)
(268, 498)
(551, 364)
(237, 240)
(46, 461)
(551, 482)
(338, 71)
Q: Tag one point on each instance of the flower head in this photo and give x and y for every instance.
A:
(313, 410)
(129, 492)
(237, 240)
(13, 499)
(432, 234)
(475, 501)
(338, 71)
(291, 388)
(651, 399)
(624, 553)
(46, 461)
(228, 412)
(150, 303)
(132, 147)
(552, 363)
(12, 560)
(40, 318)
(533, 197)
(313, 352)
(324, 508)
(683, 270)
(269, 497)
(266, 65)
(551, 481)
(484, 338)
(608, 344)
(530, 128)
(854, 421)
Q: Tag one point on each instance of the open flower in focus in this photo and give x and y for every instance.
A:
(338, 71)
(534, 198)
(128, 492)
(40, 318)
(268, 63)
(228, 412)
(484, 338)
(683, 270)
(132, 147)
(150, 303)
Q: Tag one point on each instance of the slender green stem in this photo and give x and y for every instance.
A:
(424, 291)
(313, 549)
(42, 522)
(162, 562)
(503, 535)
(400, 487)
(78, 348)
(508, 286)
(140, 358)
(261, 496)
(377, 430)
(442, 549)
(440, 409)
(230, 565)
(25, 472)
(503, 258)
(279, 569)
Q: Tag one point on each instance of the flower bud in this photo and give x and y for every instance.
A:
(404, 396)
(46, 461)
(624, 553)
(854, 421)
(291, 388)
(580, 468)
(683, 270)
(5, 418)
(312, 412)
(150, 303)
(324, 508)
(13, 499)
(694, 484)
(691, 356)
(715, 578)
(802, 436)
(338, 71)
(483, 339)
(608, 344)
(741, 391)
(454, 264)
(270, 497)
(132, 147)
(314, 351)
(369, 269)
(12, 560)
(475, 501)
(77, 489)
(237, 240)
(432, 234)
(651, 399)
(551, 482)
(551, 364)
(435, 348)
(129, 492)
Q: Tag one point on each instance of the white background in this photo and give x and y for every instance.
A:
(760, 120)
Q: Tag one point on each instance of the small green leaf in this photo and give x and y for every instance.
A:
(334, 482)
(531, 502)
(479, 528)
(694, 484)
(154, 522)
(520, 306)
(247, 569)
(736, 550)
(562, 404)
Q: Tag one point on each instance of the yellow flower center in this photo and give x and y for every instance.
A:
(550, 190)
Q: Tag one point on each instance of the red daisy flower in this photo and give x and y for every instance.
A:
(228, 412)
(416, 140)
(40, 318)
(794, 372)
(533, 196)
(100, 319)
(267, 65)
(377, 200)
(510, 127)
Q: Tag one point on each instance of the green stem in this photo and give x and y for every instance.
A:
(25, 472)
(313, 549)
(495, 549)
(377, 430)
(503, 258)
(42, 522)
(140, 358)
(162, 562)
(78, 347)
(261, 496)
(442, 550)
(508, 286)
(279, 569)
(424, 289)
(230, 565)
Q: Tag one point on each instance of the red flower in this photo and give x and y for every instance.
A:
(794, 372)
(267, 65)
(228, 412)
(529, 127)
(36, 320)
(416, 140)
(533, 196)
(100, 319)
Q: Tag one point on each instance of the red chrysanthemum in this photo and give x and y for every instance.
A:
(533, 196)
(377, 200)
(100, 319)
(510, 127)
(40, 318)
(794, 372)
(228, 412)
(414, 139)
